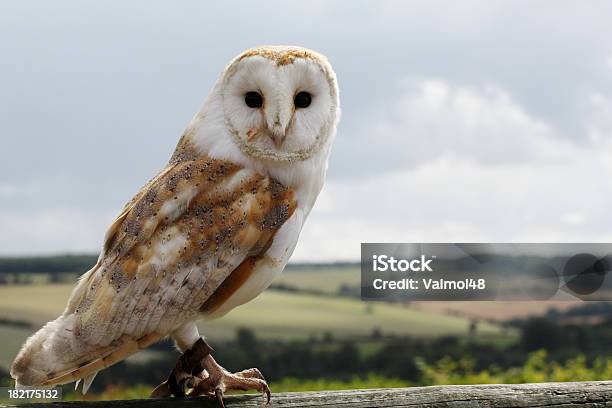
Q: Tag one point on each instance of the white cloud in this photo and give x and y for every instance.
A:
(433, 118)
(476, 161)
(574, 218)
(599, 118)
(455, 200)
(487, 172)
(478, 167)
(609, 61)
(52, 231)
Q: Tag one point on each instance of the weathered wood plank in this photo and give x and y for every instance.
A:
(562, 395)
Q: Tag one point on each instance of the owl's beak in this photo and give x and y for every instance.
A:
(278, 136)
(277, 124)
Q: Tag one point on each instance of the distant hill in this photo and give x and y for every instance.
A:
(82, 263)
(47, 264)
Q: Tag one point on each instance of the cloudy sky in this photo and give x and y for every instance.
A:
(462, 121)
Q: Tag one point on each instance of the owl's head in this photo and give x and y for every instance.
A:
(277, 103)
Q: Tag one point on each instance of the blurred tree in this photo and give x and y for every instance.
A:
(376, 333)
(540, 333)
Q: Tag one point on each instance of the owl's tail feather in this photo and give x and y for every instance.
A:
(129, 347)
(86, 382)
(49, 358)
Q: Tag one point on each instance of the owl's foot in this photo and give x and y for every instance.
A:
(197, 373)
(215, 380)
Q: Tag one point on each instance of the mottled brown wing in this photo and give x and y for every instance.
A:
(173, 246)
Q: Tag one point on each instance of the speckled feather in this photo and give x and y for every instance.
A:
(169, 251)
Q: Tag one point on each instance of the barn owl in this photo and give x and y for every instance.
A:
(208, 233)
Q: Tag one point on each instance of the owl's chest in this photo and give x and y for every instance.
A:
(255, 273)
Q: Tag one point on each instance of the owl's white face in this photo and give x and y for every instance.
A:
(281, 104)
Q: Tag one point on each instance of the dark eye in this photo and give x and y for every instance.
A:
(253, 99)
(302, 100)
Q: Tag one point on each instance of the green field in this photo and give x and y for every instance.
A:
(324, 279)
(272, 315)
(329, 279)
(34, 303)
(287, 315)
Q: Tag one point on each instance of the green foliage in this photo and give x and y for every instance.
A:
(446, 371)
(536, 369)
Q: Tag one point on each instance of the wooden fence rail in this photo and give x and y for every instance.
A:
(562, 395)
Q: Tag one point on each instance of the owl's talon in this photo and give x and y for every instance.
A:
(212, 379)
(197, 369)
(267, 395)
(219, 395)
(190, 382)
